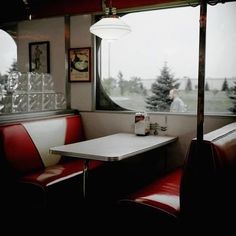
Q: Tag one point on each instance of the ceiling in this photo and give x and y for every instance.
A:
(16, 10)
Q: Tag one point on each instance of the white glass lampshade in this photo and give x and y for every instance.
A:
(110, 28)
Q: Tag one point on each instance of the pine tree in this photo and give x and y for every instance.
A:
(135, 85)
(188, 86)
(13, 67)
(160, 101)
(207, 86)
(109, 84)
(225, 86)
(233, 97)
(121, 83)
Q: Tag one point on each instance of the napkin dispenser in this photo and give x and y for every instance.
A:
(142, 123)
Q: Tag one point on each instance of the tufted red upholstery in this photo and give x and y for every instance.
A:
(203, 191)
(24, 149)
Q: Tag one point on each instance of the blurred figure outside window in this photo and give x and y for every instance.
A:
(177, 104)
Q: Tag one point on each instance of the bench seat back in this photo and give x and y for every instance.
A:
(25, 146)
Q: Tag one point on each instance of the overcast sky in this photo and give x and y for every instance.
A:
(173, 36)
(164, 35)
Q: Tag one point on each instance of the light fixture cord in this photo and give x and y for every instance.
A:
(27, 9)
(109, 60)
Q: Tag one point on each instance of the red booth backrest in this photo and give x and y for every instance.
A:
(208, 183)
(25, 146)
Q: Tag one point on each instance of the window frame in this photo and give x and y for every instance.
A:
(99, 92)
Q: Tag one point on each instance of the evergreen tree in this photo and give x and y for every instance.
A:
(3, 77)
(160, 101)
(1, 82)
(121, 83)
(232, 96)
(13, 67)
(135, 85)
(207, 86)
(225, 86)
(188, 86)
(109, 84)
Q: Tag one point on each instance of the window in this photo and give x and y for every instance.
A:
(8, 53)
(24, 92)
(220, 86)
(8, 58)
(167, 50)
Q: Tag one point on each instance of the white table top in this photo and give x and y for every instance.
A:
(113, 147)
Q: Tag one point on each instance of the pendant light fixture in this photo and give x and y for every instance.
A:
(110, 27)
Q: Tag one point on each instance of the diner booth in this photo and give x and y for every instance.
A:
(77, 144)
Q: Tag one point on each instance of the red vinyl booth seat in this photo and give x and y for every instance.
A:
(201, 194)
(25, 157)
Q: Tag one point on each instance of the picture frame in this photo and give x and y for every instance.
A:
(39, 58)
(80, 64)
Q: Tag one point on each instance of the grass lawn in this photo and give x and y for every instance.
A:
(215, 102)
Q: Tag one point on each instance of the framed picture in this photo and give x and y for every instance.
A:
(80, 64)
(39, 60)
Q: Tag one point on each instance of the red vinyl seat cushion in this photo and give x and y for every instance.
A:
(163, 193)
(57, 173)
